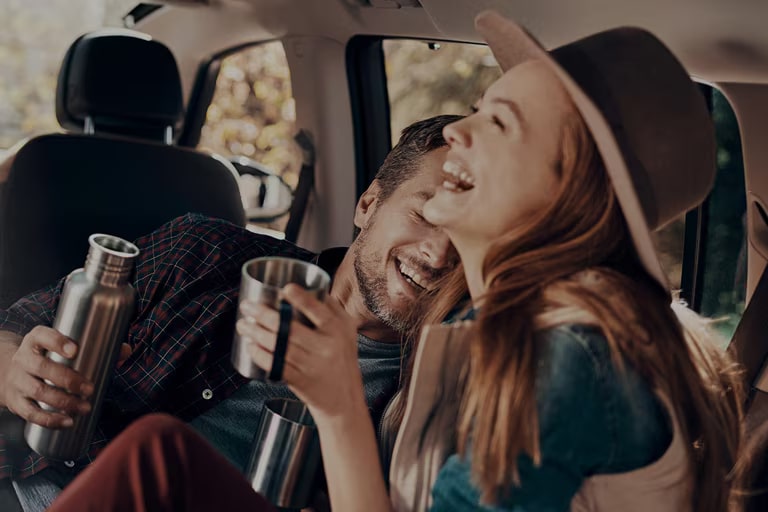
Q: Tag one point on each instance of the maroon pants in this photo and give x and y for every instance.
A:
(159, 464)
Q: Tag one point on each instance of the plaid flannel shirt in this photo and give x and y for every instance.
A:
(187, 280)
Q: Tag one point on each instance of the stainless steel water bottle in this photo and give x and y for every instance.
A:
(95, 308)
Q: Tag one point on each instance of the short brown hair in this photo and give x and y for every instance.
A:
(416, 140)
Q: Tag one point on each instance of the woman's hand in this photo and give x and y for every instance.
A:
(321, 365)
(321, 368)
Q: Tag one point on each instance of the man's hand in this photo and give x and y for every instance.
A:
(125, 352)
(22, 384)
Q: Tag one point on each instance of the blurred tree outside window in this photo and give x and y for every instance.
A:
(425, 79)
(725, 275)
(670, 242)
(253, 115)
(34, 35)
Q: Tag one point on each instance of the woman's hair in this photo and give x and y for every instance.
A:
(574, 262)
(449, 296)
(752, 473)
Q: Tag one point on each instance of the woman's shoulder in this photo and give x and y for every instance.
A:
(571, 350)
(575, 362)
(584, 391)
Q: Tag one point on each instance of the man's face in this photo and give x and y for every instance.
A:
(399, 255)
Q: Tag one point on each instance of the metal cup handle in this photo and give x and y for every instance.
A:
(281, 344)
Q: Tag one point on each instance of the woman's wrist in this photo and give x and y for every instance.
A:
(346, 403)
(350, 416)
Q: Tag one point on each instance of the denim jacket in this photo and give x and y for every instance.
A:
(593, 419)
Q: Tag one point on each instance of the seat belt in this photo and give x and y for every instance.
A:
(749, 345)
(304, 186)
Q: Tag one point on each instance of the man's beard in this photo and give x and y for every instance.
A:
(374, 290)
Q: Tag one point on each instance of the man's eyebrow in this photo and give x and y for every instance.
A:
(514, 107)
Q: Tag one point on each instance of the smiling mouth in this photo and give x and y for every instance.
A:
(412, 277)
(456, 178)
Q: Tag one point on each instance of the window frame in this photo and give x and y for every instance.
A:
(695, 239)
(369, 102)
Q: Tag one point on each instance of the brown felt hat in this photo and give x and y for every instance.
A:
(648, 118)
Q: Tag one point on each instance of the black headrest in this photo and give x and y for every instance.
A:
(124, 80)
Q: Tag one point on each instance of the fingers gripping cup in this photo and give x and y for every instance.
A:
(262, 282)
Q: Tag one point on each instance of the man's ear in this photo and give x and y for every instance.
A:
(367, 204)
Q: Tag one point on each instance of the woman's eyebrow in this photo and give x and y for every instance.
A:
(514, 108)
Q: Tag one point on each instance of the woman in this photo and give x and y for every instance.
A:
(580, 387)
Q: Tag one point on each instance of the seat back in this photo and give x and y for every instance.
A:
(62, 188)
(120, 176)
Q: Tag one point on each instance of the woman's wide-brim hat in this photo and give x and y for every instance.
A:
(649, 120)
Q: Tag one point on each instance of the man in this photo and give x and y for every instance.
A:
(187, 278)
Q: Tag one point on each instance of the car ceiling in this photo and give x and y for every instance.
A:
(717, 40)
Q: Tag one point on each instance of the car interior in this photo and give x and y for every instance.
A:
(139, 110)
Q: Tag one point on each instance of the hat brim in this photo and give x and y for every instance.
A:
(511, 44)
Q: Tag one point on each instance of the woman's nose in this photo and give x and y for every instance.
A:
(456, 133)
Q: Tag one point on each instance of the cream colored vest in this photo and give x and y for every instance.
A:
(663, 486)
(428, 436)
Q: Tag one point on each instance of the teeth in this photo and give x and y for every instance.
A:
(414, 275)
(452, 168)
(458, 172)
(449, 185)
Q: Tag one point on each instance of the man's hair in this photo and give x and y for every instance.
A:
(415, 141)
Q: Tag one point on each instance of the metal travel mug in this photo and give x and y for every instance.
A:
(262, 281)
(285, 460)
(96, 306)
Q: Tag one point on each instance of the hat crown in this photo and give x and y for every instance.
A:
(657, 114)
(648, 119)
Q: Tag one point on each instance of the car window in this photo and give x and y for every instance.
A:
(253, 115)
(725, 253)
(35, 36)
(425, 79)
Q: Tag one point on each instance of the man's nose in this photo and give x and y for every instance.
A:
(438, 250)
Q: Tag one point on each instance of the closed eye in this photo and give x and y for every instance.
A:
(495, 119)
(421, 220)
